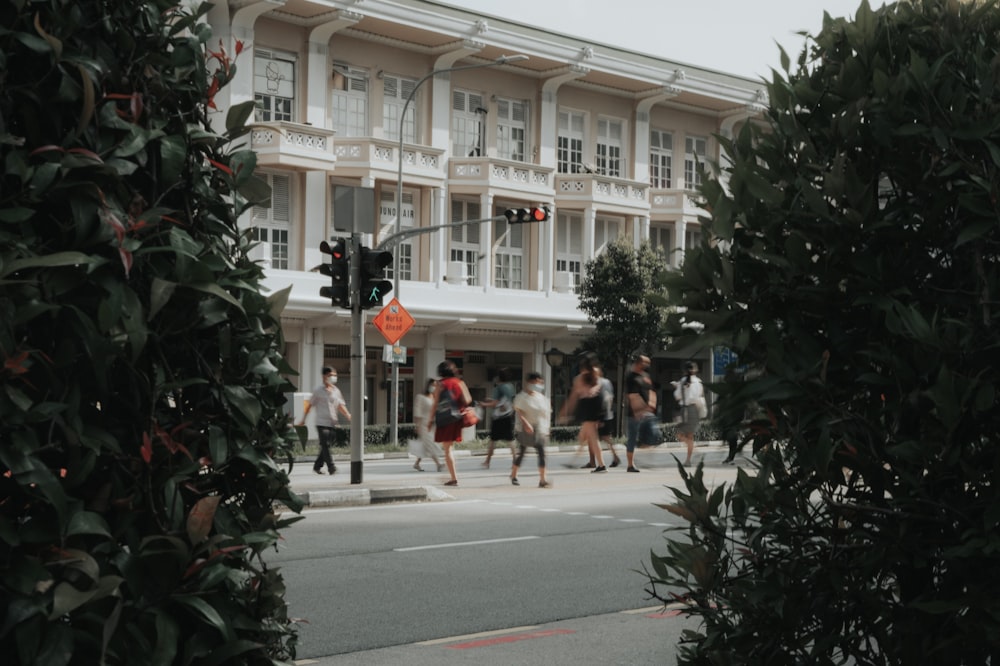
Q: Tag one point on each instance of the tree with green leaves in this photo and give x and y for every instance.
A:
(615, 295)
(856, 276)
(142, 374)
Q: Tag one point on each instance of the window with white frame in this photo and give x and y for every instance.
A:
(274, 85)
(395, 91)
(508, 241)
(606, 230)
(661, 159)
(692, 235)
(387, 223)
(609, 147)
(569, 245)
(569, 151)
(468, 118)
(272, 221)
(661, 237)
(465, 239)
(512, 128)
(350, 101)
(695, 150)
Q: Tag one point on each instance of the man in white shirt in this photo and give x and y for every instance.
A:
(533, 412)
(327, 401)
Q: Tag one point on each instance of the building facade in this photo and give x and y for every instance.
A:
(607, 138)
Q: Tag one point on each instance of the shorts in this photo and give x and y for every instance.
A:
(502, 429)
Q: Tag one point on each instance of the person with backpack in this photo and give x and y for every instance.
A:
(451, 397)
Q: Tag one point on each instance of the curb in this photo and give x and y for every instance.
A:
(365, 496)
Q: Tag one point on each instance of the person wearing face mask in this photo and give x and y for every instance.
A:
(328, 401)
(532, 411)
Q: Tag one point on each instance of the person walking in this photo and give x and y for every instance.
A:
(532, 409)
(327, 401)
(605, 431)
(642, 423)
(584, 401)
(452, 391)
(502, 425)
(689, 392)
(424, 445)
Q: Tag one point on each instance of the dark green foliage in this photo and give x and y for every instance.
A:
(616, 297)
(859, 278)
(142, 389)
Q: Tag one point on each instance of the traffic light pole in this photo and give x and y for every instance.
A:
(358, 417)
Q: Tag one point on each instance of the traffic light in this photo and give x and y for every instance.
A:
(527, 215)
(373, 283)
(339, 270)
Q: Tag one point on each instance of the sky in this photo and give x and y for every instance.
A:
(732, 36)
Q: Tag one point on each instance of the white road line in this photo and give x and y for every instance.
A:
(464, 543)
(482, 634)
(631, 520)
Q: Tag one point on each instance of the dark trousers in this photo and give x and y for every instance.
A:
(524, 440)
(325, 442)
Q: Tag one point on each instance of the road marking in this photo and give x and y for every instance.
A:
(481, 634)
(602, 517)
(486, 642)
(631, 520)
(464, 543)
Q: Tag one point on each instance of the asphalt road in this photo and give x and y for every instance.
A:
(375, 584)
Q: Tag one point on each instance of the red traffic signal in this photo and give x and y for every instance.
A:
(339, 272)
(527, 215)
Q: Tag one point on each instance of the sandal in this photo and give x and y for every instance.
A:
(453, 482)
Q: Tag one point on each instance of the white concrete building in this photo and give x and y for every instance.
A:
(606, 137)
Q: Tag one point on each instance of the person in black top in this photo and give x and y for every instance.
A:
(642, 422)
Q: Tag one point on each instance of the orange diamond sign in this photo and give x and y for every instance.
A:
(393, 321)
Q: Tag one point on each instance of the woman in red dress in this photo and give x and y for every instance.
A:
(447, 435)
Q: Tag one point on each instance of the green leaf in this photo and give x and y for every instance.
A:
(238, 115)
(49, 261)
(207, 612)
(87, 522)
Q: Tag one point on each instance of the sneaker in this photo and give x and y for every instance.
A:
(587, 466)
(598, 470)
(544, 484)
(417, 467)
(332, 470)
(318, 471)
(633, 469)
(453, 482)
(514, 481)
(615, 463)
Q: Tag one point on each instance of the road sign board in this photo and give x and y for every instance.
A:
(393, 321)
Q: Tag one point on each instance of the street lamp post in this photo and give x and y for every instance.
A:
(502, 60)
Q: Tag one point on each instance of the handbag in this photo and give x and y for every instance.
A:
(447, 411)
(469, 417)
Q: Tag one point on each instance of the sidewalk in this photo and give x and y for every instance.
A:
(381, 483)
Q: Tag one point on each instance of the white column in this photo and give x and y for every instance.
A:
(439, 239)
(680, 227)
(589, 233)
(486, 242)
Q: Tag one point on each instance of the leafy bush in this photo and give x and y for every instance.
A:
(855, 268)
(142, 401)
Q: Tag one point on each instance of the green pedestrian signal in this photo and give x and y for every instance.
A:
(374, 286)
